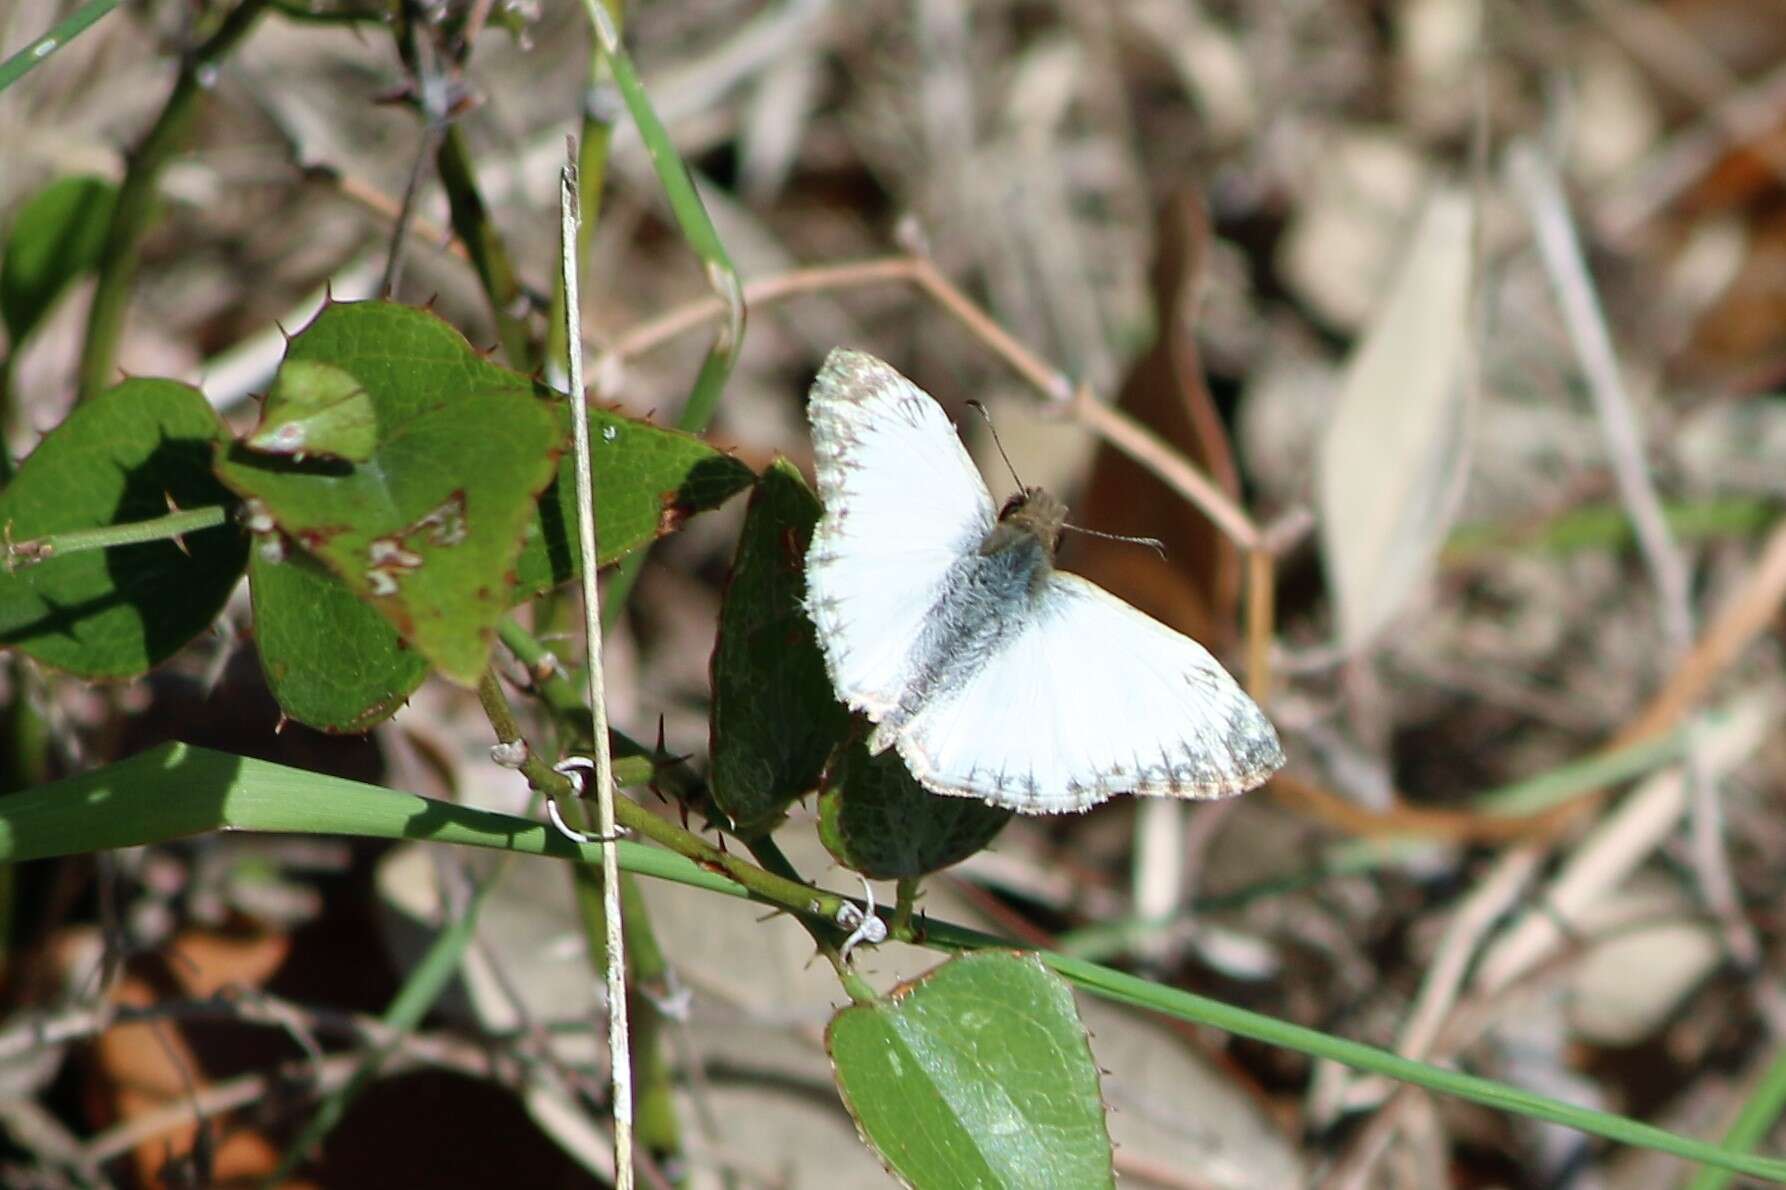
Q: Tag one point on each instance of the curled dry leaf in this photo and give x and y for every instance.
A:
(1195, 588)
(1394, 455)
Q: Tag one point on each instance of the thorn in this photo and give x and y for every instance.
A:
(722, 845)
(280, 726)
(283, 332)
(656, 764)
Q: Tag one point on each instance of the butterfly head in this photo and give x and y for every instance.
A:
(1031, 513)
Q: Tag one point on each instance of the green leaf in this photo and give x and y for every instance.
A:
(874, 818)
(57, 236)
(428, 528)
(648, 480)
(775, 718)
(121, 457)
(406, 359)
(331, 661)
(316, 410)
(976, 1074)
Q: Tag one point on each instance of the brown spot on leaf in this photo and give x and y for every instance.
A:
(671, 512)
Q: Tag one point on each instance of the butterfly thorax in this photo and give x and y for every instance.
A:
(1032, 515)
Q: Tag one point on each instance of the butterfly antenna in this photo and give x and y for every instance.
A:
(982, 411)
(1152, 543)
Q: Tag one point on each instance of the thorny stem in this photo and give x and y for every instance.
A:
(489, 255)
(824, 935)
(14, 554)
(135, 207)
(771, 887)
(781, 887)
(539, 773)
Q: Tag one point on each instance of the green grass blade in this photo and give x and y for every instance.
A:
(1757, 1119)
(175, 790)
(64, 31)
(418, 994)
(703, 239)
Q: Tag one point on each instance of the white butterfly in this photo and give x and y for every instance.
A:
(996, 676)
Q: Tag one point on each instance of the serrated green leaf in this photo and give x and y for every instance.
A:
(875, 818)
(428, 528)
(775, 717)
(406, 359)
(331, 661)
(121, 457)
(316, 410)
(648, 480)
(57, 236)
(976, 1074)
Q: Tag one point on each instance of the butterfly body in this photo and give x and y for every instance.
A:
(985, 597)
(994, 674)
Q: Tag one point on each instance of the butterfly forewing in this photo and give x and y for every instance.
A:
(902, 503)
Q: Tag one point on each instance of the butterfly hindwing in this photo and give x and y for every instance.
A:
(1091, 698)
(902, 502)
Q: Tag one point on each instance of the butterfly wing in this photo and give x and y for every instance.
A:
(903, 502)
(1090, 698)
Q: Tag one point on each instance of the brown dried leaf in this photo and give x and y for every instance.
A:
(1195, 588)
(1397, 444)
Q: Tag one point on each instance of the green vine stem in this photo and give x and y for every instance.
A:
(172, 527)
(703, 239)
(651, 986)
(906, 899)
(484, 243)
(593, 142)
(176, 790)
(8, 416)
(135, 208)
(657, 1124)
(421, 990)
